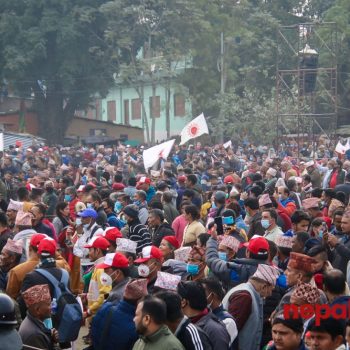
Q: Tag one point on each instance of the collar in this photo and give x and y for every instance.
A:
(196, 318)
(156, 335)
(99, 261)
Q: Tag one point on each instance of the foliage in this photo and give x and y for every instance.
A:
(53, 49)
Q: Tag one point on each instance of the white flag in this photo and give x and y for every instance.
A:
(341, 149)
(153, 154)
(197, 127)
(228, 144)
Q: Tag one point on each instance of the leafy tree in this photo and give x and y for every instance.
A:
(151, 36)
(54, 51)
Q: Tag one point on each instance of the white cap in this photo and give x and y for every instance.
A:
(126, 245)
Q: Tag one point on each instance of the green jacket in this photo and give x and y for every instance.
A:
(160, 340)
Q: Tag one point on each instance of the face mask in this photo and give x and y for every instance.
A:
(265, 223)
(323, 203)
(48, 323)
(78, 221)
(87, 225)
(209, 305)
(143, 270)
(67, 197)
(138, 203)
(222, 256)
(118, 207)
(89, 206)
(105, 279)
(213, 205)
(320, 234)
(280, 198)
(192, 269)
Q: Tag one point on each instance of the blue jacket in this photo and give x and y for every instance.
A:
(150, 194)
(121, 333)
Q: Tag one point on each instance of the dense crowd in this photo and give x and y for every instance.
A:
(217, 247)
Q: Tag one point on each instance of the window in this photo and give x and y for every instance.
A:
(98, 132)
(154, 106)
(179, 105)
(98, 107)
(126, 112)
(111, 111)
(136, 108)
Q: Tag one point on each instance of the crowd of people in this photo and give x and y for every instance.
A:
(239, 247)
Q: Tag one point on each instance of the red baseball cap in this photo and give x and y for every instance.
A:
(47, 245)
(150, 252)
(181, 178)
(114, 260)
(36, 238)
(229, 179)
(173, 241)
(118, 186)
(143, 180)
(257, 245)
(98, 242)
(112, 233)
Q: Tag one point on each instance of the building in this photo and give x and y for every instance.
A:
(85, 127)
(165, 102)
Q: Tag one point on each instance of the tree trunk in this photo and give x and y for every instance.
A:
(53, 118)
(144, 112)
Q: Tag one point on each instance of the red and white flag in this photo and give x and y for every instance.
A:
(341, 149)
(153, 154)
(197, 127)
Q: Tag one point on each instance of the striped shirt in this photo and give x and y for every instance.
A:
(139, 234)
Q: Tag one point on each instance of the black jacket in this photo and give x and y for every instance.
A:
(192, 337)
(160, 232)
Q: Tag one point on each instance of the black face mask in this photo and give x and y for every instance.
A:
(49, 189)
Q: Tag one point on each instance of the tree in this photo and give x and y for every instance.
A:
(55, 51)
(151, 36)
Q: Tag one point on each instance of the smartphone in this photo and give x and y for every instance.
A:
(219, 227)
(228, 220)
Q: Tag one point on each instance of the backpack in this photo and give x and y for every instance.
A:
(69, 313)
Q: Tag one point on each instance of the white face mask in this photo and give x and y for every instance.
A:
(143, 270)
(78, 221)
(105, 279)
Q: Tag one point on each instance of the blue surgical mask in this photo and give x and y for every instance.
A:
(265, 223)
(320, 234)
(67, 197)
(213, 205)
(48, 323)
(138, 203)
(192, 269)
(118, 206)
(89, 206)
(282, 281)
(222, 256)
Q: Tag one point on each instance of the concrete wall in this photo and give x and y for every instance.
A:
(82, 127)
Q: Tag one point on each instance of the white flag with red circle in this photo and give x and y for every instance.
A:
(153, 154)
(197, 127)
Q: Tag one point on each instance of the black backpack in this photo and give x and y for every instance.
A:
(69, 313)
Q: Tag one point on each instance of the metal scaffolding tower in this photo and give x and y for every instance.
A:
(306, 80)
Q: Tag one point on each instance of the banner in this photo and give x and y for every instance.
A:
(153, 154)
(197, 127)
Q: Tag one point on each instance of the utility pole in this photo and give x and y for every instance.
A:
(222, 87)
